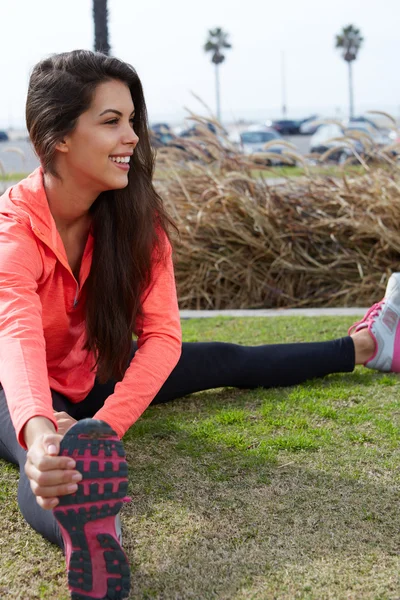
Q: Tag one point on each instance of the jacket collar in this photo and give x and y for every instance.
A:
(27, 200)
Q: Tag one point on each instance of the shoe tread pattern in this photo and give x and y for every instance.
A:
(89, 439)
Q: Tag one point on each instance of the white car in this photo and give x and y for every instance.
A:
(379, 136)
(310, 126)
(254, 139)
(326, 136)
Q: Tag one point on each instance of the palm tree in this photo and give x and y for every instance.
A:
(350, 41)
(100, 17)
(216, 42)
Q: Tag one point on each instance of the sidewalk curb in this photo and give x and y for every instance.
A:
(270, 312)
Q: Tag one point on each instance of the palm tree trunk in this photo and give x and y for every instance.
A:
(217, 93)
(100, 17)
(351, 89)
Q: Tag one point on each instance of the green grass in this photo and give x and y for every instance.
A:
(13, 176)
(288, 493)
(331, 170)
(276, 172)
(272, 172)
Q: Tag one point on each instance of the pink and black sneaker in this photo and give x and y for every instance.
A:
(97, 566)
(383, 323)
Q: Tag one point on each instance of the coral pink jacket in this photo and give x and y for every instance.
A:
(42, 323)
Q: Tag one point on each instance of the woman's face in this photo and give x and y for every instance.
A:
(98, 150)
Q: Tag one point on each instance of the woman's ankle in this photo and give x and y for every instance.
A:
(364, 346)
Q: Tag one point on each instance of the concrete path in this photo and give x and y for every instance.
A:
(280, 312)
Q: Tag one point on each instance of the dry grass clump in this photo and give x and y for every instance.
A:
(246, 243)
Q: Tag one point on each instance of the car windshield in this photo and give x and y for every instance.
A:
(258, 137)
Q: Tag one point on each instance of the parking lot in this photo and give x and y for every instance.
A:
(19, 157)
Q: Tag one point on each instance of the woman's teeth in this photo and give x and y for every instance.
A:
(120, 159)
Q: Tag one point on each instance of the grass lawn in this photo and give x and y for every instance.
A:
(276, 172)
(288, 493)
(330, 170)
(12, 176)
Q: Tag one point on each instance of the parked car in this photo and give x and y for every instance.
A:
(160, 137)
(306, 124)
(253, 142)
(193, 131)
(291, 126)
(286, 126)
(361, 120)
(196, 133)
(310, 126)
(3, 136)
(323, 140)
(160, 128)
(379, 137)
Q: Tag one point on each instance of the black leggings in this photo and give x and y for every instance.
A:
(202, 366)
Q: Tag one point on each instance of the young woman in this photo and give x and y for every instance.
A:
(85, 262)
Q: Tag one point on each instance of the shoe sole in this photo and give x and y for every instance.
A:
(97, 565)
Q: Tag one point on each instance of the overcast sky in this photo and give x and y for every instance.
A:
(163, 40)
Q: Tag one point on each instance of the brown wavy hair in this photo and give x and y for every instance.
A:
(126, 223)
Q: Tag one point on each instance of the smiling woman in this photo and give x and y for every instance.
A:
(89, 191)
(84, 154)
(91, 159)
(85, 263)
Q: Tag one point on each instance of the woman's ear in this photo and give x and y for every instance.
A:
(62, 146)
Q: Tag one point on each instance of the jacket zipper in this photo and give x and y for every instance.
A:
(76, 299)
(39, 234)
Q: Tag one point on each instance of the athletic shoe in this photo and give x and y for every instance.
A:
(97, 566)
(382, 321)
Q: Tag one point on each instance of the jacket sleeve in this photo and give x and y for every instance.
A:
(159, 349)
(23, 367)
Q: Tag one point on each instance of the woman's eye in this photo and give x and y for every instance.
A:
(115, 122)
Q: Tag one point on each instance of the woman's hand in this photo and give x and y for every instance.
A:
(50, 475)
(64, 422)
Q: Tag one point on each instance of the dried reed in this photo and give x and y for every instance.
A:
(306, 241)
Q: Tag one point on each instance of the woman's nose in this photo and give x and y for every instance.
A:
(135, 139)
(131, 137)
(132, 140)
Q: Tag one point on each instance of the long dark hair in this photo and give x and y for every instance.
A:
(126, 223)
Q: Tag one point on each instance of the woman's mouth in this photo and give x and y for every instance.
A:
(122, 162)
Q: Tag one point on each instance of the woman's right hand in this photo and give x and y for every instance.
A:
(50, 475)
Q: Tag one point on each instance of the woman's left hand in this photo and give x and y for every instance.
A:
(64, 422)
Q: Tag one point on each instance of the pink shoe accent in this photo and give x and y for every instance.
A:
(368, 318)
(97, 566)
(366, 322)
(376, 348)
(396, 352)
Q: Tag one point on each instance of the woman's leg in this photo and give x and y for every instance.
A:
(202, 366)
(41, 520)
(207, 365)
(374, 341)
